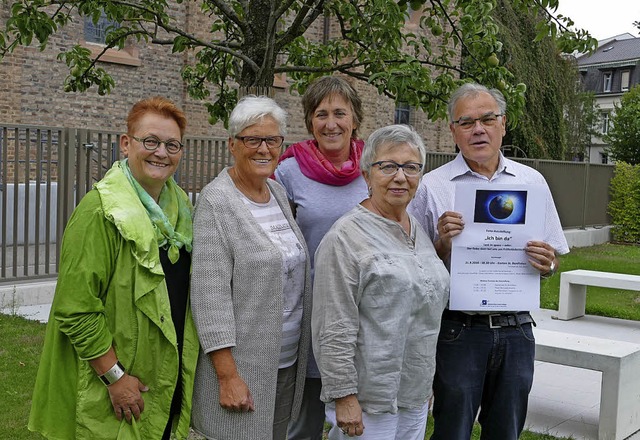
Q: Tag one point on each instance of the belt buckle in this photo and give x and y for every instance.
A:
(491, 324)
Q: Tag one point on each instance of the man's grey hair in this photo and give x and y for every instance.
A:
(471, 90)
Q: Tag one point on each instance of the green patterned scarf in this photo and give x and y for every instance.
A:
(171, 216)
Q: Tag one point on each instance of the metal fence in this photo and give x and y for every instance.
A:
(45, 172)
(580, 190)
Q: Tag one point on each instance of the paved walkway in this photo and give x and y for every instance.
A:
(564, 401)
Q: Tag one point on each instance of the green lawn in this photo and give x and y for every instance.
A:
(20, 346)
(19, 354)
(600, 301)
(21, 339)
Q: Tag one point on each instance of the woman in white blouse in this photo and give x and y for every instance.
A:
(378, 295)
(249, 288)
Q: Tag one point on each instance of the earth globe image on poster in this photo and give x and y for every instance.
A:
(506, 207)
(501, 206)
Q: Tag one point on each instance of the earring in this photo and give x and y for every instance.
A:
(369, 191)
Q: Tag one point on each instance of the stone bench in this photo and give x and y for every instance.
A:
(573, 289)
(619, 363)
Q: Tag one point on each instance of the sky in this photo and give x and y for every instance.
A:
(602, 19)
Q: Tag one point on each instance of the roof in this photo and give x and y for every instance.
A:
(624, 36)
(618, 52)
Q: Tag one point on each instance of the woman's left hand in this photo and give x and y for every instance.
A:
(349, 415)
(126, 397)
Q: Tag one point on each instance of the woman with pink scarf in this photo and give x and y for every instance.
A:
(323, 181)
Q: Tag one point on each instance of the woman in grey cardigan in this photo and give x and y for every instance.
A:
(249, 288)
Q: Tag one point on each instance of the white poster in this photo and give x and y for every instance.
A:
(489, 268)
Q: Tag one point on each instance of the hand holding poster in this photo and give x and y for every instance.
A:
(489, 267)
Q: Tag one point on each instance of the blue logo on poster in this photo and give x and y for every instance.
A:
(484, 302)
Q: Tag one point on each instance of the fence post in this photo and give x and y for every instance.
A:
(585, 200)
(84, 147)
(66, 180)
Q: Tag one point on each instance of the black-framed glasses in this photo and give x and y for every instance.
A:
(390, 168)
(488, 120)
(256, 141)
(152, 143)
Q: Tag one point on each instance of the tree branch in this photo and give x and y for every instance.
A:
(454, 29)
(302, 22)
(229, 13)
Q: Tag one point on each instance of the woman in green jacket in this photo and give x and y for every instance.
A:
(120, 348)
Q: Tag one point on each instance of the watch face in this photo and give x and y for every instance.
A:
(113, 374)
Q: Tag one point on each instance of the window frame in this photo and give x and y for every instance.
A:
(604, 158)
(607, 81)
(606, 122)
(401, 112)
(625, 87)
(129, 55)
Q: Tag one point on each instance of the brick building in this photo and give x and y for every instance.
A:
(33, 94)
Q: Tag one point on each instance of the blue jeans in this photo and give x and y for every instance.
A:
(481, 367)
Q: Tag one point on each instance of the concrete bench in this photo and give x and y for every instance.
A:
(619, 363)
(573, 289)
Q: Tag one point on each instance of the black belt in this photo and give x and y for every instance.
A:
(494, 320)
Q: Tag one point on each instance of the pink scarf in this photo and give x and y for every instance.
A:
(316, 166)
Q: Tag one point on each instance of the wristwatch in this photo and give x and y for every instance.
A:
(552, 269)
(113, 374)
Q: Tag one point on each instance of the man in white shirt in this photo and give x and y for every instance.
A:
(482, 360)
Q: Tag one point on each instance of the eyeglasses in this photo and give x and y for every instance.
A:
(152, 143)
(256, 141)
(489, 120)
(390, 168)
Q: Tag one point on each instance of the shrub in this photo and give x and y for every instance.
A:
(624, 207)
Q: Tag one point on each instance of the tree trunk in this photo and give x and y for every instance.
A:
(256, 45)
(268, 91)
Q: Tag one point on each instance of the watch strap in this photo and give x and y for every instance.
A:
(112, 375)
(552, 270)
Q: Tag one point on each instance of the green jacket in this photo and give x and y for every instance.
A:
(111, 291)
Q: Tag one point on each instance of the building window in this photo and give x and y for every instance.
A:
(95, 35)
(97, 32)
(605, 122)
(607, 82)
(624, 81)
(402, 114)
(604, 158)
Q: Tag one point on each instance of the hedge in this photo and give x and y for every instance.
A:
(624, 206)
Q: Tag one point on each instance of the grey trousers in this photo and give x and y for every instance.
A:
(310, 422)
(284, 401)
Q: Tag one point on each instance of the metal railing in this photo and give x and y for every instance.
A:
(45, 172)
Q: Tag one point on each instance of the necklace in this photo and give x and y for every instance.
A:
(258, 196)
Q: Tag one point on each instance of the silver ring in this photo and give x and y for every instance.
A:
(344, 431)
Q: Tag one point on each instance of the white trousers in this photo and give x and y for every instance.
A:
(406, 424)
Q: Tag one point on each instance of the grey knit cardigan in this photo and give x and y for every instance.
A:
(236, 298)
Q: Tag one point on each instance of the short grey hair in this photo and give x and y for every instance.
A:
(471, 90)
(389, 136)
(251, 109)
